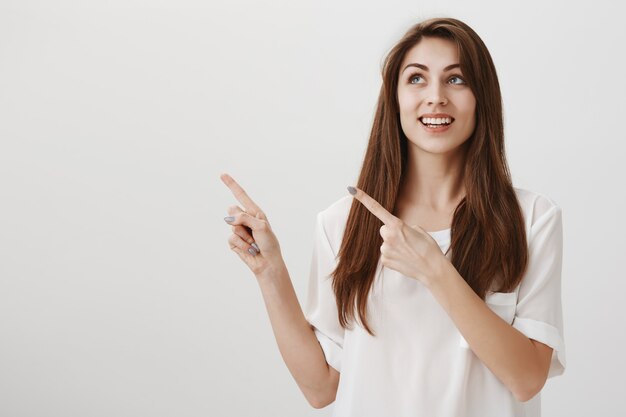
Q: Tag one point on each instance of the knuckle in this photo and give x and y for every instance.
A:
(244, 235)
(241, 230)
(388, 233)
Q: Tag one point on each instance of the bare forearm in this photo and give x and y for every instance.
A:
(507, 352)
(296, 339)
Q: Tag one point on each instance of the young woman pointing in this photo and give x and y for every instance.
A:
(435, 284)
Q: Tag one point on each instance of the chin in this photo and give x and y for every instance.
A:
(436, 145)
(437, 150)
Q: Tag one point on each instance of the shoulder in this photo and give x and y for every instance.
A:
(333, 220)
(536, 206)
(338, 211)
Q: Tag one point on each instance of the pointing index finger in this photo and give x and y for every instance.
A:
(374, 207)
(241, 196)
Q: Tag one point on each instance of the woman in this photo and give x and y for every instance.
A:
(452, 273)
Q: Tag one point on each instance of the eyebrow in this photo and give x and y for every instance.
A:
(425, 68)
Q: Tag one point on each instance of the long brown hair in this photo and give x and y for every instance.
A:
(488, 239)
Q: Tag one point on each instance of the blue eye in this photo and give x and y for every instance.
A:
(412, 77)
(458, 78)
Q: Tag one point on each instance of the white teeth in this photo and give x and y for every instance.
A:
(436, 121)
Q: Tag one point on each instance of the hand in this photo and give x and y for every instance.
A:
(251, 226)
(409, 250)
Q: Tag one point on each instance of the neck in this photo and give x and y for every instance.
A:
(434, 181)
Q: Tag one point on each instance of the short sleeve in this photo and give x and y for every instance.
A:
(320, 308)
(539, 313)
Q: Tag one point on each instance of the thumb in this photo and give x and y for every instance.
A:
(244, 219)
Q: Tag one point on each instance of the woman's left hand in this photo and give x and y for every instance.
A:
(409, 250)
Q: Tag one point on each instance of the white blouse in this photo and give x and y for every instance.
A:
(419, 364)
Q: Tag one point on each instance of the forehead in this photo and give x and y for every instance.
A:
(435, 53)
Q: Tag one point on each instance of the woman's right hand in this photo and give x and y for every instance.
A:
(250, 225)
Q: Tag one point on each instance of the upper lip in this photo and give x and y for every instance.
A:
(440, 115)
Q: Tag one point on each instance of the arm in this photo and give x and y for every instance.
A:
(296, 339)
(519, 362)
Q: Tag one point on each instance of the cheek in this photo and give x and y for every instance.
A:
(402, 103)
(406, 100)
(466, 110)
(468, 104)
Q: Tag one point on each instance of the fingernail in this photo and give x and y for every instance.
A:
(252, 252)
(255, 246)
(351, 190)
(229, 218)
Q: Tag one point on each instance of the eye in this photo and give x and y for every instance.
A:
(412, 77)
(458, 78)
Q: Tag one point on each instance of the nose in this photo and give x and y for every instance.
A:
(436, 95)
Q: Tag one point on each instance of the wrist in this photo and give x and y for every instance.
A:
(442, 269)
(272, 271)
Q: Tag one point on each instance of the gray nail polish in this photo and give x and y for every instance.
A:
(252, 251)
(255, 246)
(352, 190)
(229, 218)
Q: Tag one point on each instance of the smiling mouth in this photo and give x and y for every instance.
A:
(435, 125)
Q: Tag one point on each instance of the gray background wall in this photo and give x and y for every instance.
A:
(119, 294)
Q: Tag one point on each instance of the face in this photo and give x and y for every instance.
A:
(432, 89)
